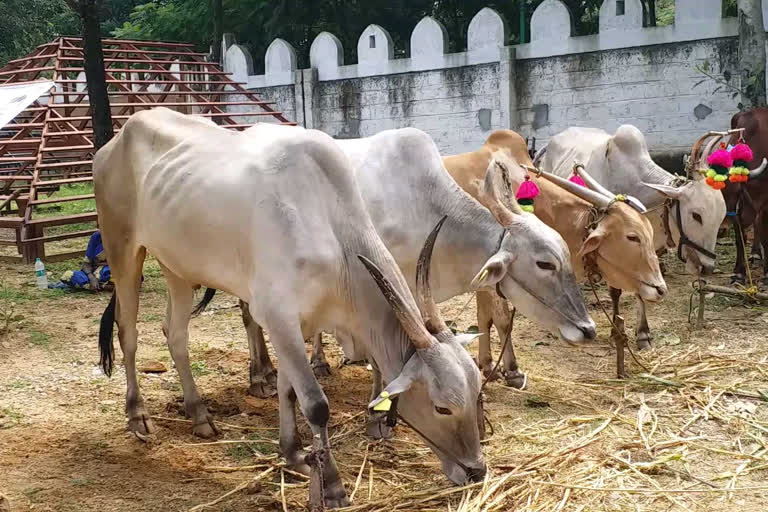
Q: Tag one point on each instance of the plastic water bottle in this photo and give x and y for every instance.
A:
(42, 278)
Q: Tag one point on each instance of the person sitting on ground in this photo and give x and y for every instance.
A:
(94, 273)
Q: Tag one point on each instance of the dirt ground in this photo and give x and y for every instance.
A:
(671, 437)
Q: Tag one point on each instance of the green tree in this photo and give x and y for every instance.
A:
(26, 24)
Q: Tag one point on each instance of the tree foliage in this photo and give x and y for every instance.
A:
(25, 24)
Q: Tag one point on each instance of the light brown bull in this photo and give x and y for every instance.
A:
(612, 234)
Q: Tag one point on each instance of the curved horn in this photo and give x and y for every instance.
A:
(757, 173)
(539, 156)
(708, 150)
(431, 313)
(592, 182)
(410, 321)
(584, 193)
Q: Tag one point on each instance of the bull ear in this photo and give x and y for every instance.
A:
(493, 270)
(593, 241)
(671, 192)
(401, 384)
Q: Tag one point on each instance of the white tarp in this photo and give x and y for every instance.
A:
(16, 97)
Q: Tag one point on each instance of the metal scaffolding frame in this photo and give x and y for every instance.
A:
(50, 143)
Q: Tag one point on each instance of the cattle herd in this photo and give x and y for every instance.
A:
(362, 238)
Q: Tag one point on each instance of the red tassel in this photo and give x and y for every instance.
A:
(741, 153)
(575, 178)
(527, 189)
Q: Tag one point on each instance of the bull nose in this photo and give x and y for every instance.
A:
(589, 332)
(707, 269)
(661, 290)
(477, 473)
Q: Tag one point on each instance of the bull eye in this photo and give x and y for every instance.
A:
(697, 218)
(545, 265)
(443, 411)
(633, 238)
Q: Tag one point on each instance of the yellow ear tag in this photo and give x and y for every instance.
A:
(483, 275)
(385, 404)
(621, 197)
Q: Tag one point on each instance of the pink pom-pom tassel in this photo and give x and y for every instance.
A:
(721, 157)
(741, 153)
(527, 189)
(575, 178)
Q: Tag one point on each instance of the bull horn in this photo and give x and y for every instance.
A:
(592, 182)
(539, 156)
(598, 200)
(430, 312)
(708, 150)
(757, 173)
(409, 319)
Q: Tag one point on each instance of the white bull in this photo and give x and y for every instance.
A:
(406, 190)
(283, 210)
(677, 205)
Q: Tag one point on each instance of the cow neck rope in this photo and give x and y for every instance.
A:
(526, 289)
(684, 240)
(750, 290)
(596, 215)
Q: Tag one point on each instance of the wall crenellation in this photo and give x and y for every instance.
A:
(624, 73)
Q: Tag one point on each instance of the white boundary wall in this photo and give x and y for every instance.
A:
(624, 74)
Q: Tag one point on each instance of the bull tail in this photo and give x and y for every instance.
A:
(106, 329)
(207, 298)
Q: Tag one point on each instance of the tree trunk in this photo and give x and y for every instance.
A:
(651, 13)
(101, 116)
(751, 53)
(218, 29)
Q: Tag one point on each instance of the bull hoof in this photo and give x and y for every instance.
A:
(321, 369)
(376, 427)
(141, 425)
(262, 390)
(206, 429)
(516, 379)
(263, 386)
(643, 341)
(296, 462)
(738, 279)
(335, 495)
(490, 374)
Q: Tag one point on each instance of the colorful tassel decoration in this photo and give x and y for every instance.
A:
(575, 178)
(741, 154)
(719, 163)
(526, 193)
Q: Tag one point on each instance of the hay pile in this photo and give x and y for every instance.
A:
(688, 435)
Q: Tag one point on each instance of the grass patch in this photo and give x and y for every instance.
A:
(8, 294)
(18, 384)
(199, 368)
(39, 338)
(70, 207)
(243, 451)
(9, 417)
(239, 452)
(151, 317)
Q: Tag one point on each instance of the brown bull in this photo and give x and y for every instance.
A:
(620, 244)
(747, 203)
